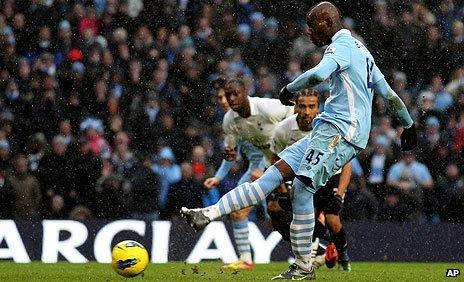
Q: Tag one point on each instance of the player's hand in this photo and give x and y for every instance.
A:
(335, 203)
(409, 138)
(286, 97)
(211, 182)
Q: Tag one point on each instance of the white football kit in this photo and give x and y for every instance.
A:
(258, 128)
(286, 133)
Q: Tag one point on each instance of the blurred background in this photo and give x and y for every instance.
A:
(107, 107)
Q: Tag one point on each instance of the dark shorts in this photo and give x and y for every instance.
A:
(322, 202)
(323, 199)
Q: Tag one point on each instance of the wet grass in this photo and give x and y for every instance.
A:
(210, 271)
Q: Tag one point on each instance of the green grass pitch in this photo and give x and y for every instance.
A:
(210, 271)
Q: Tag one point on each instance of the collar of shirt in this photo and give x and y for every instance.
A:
(253, 107)
(339, 33)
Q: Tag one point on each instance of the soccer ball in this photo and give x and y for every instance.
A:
(129, 258)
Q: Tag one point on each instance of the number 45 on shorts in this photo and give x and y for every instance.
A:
(314, 157)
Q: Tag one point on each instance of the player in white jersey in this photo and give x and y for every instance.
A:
(248, 128)
(327, 200)
(239, 218)
(338, 135)
(252, 118)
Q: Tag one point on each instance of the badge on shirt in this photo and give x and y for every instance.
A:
(330, 50)
(334, 142)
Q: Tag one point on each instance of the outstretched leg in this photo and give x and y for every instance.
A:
(244, 195)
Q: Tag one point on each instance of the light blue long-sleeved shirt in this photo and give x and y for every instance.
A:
(353, 78)
(415, 170)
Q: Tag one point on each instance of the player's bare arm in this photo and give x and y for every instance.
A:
(344, 181)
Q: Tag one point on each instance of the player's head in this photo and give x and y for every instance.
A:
(323, 22)
(221, 94)
(236, 94)
(306, 108)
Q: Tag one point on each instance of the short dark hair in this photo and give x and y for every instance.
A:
(235, 80)
(220, 82)
(306, 93)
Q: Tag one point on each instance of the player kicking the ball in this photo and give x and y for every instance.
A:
(247, 127)
(328, 200)
(338, 135)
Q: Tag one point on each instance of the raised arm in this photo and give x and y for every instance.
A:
(394, 102)
(308, 79)
(314, 76)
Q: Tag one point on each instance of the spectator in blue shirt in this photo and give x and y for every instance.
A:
(168, 171)
(411, 181)
(443, 99)
(376, 165)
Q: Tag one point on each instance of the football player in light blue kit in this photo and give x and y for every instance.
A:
(338, 135)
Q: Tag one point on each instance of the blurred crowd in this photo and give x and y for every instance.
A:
(107, 107)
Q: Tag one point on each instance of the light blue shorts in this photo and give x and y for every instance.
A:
(319, 155)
